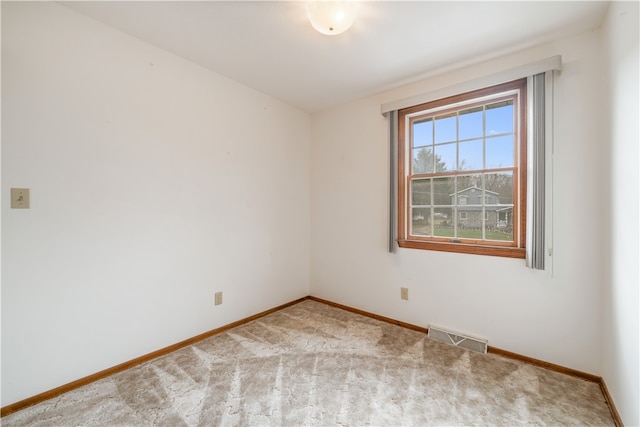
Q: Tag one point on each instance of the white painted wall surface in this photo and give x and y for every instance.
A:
(621, 358)
(154, 183)
(556, 317)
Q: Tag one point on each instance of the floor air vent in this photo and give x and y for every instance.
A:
(457, 338)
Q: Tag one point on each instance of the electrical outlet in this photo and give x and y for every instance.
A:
(404, 293)
(218, 298)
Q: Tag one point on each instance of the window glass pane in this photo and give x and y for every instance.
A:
(500, 152)
(443, 189)
(423, 160)
(422, 133)
(443, 222)
(470, 123)
(500, 224)
(420, 192)
(470, 223)
(470, 155)
(446, 128)
(470, 186)
(445, 157)
(421, 221)
(499, 117)
(502, 184)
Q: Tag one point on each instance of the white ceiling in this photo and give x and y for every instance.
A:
(270, 45)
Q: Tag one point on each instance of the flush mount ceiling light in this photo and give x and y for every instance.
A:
(331, 17)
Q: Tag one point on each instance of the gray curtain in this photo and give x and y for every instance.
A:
(392, 117)
(536, 211)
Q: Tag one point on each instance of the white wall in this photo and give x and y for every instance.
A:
(621, 299)
(154, 183)
(556, 317)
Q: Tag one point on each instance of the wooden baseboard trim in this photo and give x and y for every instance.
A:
(612, 407)
(15, 407)
(543, 364)
(371, 315)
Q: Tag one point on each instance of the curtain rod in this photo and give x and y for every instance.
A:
(552, 63)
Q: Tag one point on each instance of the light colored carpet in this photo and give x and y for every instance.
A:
(312, 364)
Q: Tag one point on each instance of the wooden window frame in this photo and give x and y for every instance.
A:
(510, 249)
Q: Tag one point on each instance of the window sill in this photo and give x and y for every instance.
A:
(500, 251)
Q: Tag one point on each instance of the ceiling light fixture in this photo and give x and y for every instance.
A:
(331, 17)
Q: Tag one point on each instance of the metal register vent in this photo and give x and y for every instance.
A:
(456, 338)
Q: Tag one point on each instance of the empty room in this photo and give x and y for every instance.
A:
(320, 213)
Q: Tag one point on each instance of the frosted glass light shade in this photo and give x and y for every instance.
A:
(331, 17)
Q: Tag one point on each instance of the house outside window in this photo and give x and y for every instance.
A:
(462, 172)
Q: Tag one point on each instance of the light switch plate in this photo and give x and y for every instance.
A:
(20, 198)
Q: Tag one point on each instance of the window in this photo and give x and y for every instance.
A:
(462, 172)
